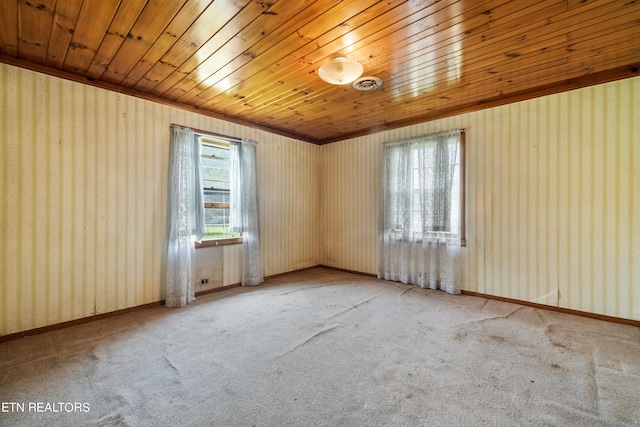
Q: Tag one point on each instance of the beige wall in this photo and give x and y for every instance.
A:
(552, 187)
(553, 195)
(83, 199)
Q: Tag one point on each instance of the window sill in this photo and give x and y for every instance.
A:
(218, 242)
(436, 235)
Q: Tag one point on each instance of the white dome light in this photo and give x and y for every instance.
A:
(340, 71)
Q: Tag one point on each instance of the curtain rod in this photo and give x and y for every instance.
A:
(429, 135)
(213, 134)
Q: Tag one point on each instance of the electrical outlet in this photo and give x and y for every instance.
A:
(204, 282)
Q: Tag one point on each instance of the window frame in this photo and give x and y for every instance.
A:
(417, 237)
(219, 142)
(463, 208)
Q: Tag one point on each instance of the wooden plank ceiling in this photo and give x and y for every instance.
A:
(256, 62)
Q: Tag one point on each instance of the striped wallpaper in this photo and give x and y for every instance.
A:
(552, 187)
(553, 192)
(83, 200)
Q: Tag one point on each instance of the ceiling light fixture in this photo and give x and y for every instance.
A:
(340, 71)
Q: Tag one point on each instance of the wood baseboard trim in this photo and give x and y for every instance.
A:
(69, 323)
(220, 289)
(43, 329)
(606, 318)
(286, 273)
(344, 270)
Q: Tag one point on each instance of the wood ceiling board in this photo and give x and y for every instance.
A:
(282, 81)
(9, 25)
(282, 50)
(116, 34)
(189, 45)
(493, 86)
(478, 93)
(34, 27)
(152, 21)
(221, 30)
(279, 90)
(325, 95)
(237, 48)
(189, 73)
(627, 71)
(63, 27)
(169, 37)
(478, 63)
(89, 32)
(441, 104)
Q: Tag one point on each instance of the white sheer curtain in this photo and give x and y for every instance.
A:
(419, 226)
(243, 216)
(185, 216)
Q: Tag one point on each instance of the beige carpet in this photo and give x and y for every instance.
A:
(326, 348)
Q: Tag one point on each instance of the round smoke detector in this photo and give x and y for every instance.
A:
(367, 83)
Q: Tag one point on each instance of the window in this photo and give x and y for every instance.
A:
(425, 188)
(214, 164)
(422, 224)
(436, 187)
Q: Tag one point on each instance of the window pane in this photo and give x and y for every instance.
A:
(214, 177)
(215, 180)
(210, 150)
(216, 196)
(455, 198)
(214, 216)
(215, 173)
(217, 163)
(217, 223)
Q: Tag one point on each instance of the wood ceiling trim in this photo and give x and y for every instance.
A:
(619, 73)
(255, 62)
(530, 69)
(387, 117)
(27, 65)
(525, 68)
